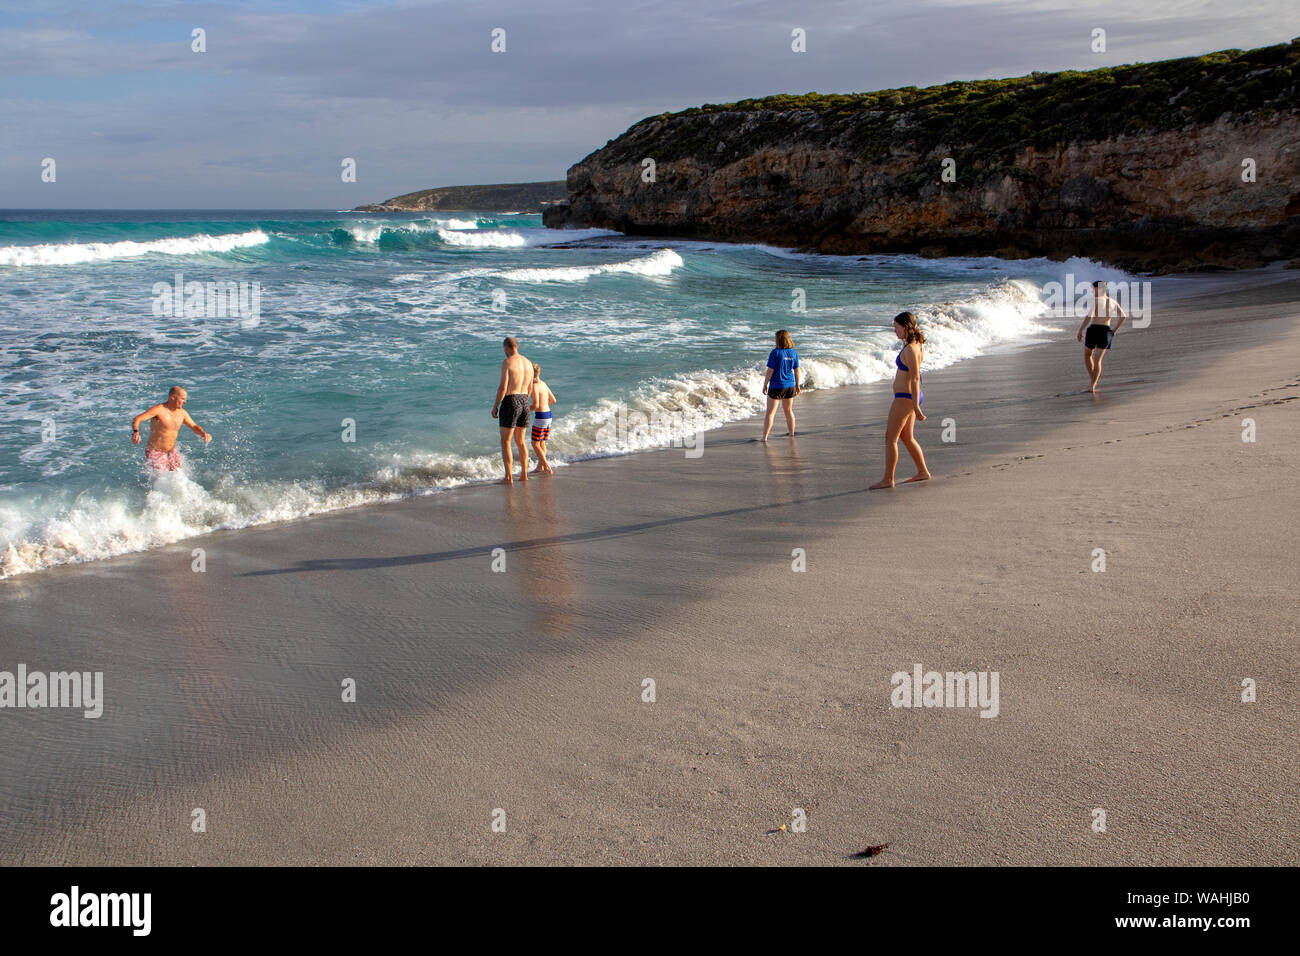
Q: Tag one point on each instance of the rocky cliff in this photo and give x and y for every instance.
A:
(500, 197)
(1180, 164)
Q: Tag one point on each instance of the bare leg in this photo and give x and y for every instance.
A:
(523, 454)
(539, 451)
(771, 413)
(914, 449)
(505, 456)
(787, 406)
(898, 413)
(1087, 363)
(1096, 369)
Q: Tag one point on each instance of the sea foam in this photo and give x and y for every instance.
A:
(72, 253)
(45, 531)
(659, 263)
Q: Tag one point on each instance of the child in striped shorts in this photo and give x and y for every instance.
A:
(543, 418)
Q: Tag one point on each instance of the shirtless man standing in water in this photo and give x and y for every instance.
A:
(167, 420)
(513, 399)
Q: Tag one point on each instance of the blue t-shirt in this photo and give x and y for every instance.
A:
(783, 362)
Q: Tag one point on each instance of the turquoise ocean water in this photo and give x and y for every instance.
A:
(394, 323)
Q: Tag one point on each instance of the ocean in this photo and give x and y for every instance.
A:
(359, 359)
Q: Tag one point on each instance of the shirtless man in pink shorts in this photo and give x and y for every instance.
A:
(167, 419)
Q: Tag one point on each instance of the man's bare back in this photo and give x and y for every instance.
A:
(1103, 309)
(542, 396)
(518, 372)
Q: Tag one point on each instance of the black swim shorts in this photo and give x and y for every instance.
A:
(513, 412)
(780, 393)
(1098, 336)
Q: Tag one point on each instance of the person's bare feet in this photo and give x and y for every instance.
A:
(925, 477)
(881, 484)
(523, 476)
(507, 480)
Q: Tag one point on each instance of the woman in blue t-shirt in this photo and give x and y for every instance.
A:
(781, 383)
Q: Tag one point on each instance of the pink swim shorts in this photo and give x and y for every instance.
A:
(164, 460)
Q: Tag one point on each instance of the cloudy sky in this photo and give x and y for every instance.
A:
(286, 89)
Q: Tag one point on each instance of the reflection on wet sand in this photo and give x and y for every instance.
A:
(545, 577)
(791, 475)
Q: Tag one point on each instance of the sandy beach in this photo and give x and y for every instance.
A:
(522, 690)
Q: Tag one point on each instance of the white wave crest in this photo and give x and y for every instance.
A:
(71, 253)
(363, 232)
(953, 331)
(485, 238)
(371, 230)
(659, 263)
(499, 238)
(670, 411)
(174, 508)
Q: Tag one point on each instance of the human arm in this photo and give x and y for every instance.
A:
(140, 420)
(196, 429)
(501, 391)
(772, 364)
(1087, 318)
(1123, 316)
(914, 380)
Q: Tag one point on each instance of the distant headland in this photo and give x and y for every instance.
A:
(499, 197)
(1175, 165)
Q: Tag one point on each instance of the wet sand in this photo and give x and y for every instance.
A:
(522, 690)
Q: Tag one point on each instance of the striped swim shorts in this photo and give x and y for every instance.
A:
(542, 425)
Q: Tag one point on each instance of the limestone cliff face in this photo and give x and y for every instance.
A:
(1144, 166)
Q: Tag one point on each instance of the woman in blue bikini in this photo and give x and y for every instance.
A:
(906, 408)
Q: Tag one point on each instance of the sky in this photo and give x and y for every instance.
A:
(414, 93)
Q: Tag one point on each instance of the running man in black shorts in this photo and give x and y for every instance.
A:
(511, 406)
(1097, 333)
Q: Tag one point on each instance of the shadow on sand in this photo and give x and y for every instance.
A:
(366, 564)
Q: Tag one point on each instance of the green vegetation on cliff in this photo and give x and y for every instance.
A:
(499, 197)
(985, 122)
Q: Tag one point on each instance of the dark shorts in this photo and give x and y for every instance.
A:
(779, 393)
(513, 412)
(1098, 336)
